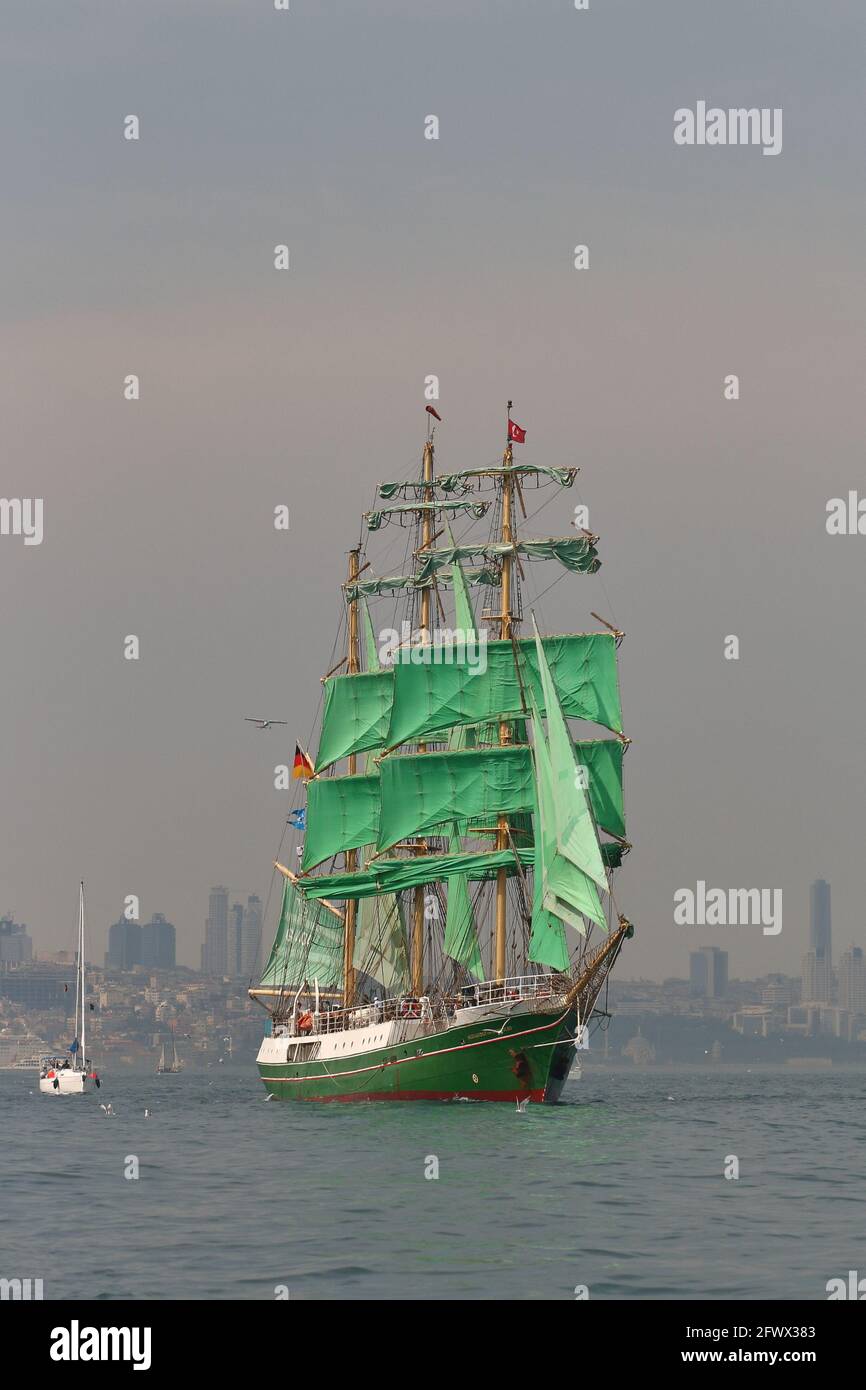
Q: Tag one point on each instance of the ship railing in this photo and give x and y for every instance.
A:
(419, 1009)
(513, 989)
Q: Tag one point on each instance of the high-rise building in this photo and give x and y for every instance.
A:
(244, 938)
(818, 960)
(124, 945)
(235, 939)
(852, 980)
(214, 952)
(251, 937)
(708, 972)
(158, 943)
(16, 947)
(819, 919)
(817, 978)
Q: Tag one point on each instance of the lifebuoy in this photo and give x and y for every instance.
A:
(305, 1023)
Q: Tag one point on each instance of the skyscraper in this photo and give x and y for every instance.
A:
(818, 960)
(251, 936)
(819, 920)
(158, 943)
(244, 938)
(214, 952)
(235, 939)
(708, 972)
(16, 947)
(852, 980)
(124, 945)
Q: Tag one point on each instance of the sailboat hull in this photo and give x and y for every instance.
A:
(507, 1058)
(69, 1083)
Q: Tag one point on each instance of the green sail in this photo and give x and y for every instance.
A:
(427, 789)
(369, 638)
(375, 519)
(356, 715)
(576, 835)
(384, 708)
(393, 583)
(562, 890)
(380, 942)
(435, 694)
(420, 792)
(342, 813)
(461, 940)
(308, 945)
(451, 482)
(575, 553)
(398, 875)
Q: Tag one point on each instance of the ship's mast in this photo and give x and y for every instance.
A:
(426, 538)
(79, 984)
(353, 665)
(505, 732)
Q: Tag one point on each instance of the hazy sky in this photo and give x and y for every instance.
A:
(411, 257)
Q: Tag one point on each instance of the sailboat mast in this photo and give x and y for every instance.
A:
(79, 988)
(505, 629)
(418, 903)
(353, 666)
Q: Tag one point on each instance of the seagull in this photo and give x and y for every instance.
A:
(262, 723)
(107, 1108)
(522, 1104)
(147, 1114)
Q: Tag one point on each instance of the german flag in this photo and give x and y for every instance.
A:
(303, 764)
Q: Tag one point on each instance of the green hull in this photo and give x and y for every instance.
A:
(529, 1059)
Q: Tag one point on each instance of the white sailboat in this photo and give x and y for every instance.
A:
(70, 1075)
(166, 1065)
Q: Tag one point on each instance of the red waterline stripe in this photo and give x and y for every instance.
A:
(403, 1061)
(357, 1096)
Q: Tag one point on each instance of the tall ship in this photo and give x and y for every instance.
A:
(450, 921)
(72, 1074)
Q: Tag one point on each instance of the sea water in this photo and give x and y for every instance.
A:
(618, 1192)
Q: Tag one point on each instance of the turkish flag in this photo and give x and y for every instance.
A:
(515, 434)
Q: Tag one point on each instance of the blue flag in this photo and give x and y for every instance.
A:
(298, 819)
(73, 1046)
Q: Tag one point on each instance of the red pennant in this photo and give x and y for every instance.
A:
(435, 413)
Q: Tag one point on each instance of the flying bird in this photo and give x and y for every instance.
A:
(262, 723)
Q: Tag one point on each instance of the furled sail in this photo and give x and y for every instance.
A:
(375, 519)
(452, 482)
(576, 553)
